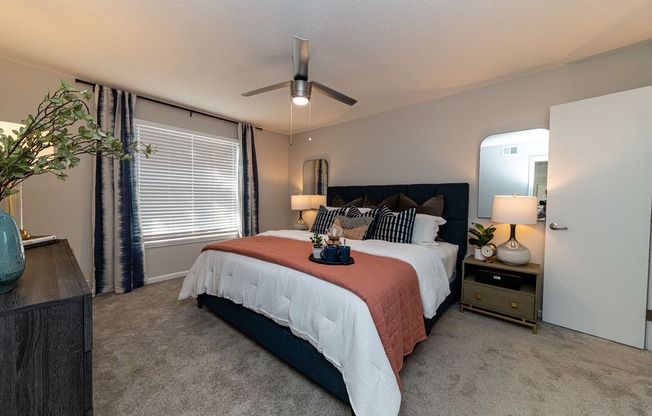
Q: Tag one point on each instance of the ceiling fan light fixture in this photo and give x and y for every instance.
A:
(300, 100)
(300, 92)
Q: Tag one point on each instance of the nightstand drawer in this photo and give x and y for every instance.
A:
(499, 300)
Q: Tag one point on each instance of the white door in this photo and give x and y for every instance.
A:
(600, 188)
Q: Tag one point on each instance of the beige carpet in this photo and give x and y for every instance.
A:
(155, 355)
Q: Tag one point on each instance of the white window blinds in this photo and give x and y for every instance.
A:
(189, 188)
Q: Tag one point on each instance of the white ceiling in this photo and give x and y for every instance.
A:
(386, 54)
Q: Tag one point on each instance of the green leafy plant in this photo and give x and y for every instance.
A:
(316, 240)
(479, 236)
(48, 143)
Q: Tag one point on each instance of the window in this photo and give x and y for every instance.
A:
(189, 188)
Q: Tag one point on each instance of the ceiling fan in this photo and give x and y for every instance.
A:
(300, 87)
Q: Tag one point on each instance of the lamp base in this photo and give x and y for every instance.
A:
(300, 225)
(513, 253)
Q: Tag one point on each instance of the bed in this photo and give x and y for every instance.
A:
(296, 345)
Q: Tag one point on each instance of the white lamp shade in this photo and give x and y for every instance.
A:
(513, 209)
(7, 128)
(299, 202)
(317, 200)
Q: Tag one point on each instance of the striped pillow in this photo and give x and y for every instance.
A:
(324, 219)
(353, 212)
(394, 227)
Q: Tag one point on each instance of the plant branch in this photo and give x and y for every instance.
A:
(21, 156)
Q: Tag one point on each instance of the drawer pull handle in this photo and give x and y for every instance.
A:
(478, 296)
(513, 304)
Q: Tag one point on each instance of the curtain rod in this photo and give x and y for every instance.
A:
(92, 84)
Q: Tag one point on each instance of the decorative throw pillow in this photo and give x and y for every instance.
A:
(368, 202)
(324, 219)
(338, 201)
(355, 212)
(364, 210)
(353, 228)
(433, 206)
(390, 202)
(394, 227)
(426, 228)
(358, 202)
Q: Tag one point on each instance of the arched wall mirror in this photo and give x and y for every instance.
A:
(513, 163)
(315, 177)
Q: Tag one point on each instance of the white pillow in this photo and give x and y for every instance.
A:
(426, 228)
(363, 210)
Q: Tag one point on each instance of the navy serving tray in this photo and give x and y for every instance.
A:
(331, 263)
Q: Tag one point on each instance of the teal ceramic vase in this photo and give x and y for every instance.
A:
(12, 253)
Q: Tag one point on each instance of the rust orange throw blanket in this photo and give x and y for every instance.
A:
(388, 286)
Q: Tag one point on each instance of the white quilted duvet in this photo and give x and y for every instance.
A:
(334, 320)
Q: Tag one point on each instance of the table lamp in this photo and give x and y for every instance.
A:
(317, 200)
(513, 210)
(12, 200)
(299, 203)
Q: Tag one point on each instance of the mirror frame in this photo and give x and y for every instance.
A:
(310, 169)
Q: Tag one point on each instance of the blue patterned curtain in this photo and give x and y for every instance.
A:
(249, 192)
(118, 250)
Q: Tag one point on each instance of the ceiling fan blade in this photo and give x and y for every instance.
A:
(329, 92)
(300, 58)
(265, 89)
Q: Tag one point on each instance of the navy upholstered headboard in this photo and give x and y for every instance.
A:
(456, 206)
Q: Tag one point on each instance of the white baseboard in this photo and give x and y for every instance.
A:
(165, 277)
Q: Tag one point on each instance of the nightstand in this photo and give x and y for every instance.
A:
(502, 291)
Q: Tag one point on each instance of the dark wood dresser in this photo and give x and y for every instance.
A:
(46, 337)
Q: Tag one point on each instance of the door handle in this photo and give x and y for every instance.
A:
(555, 226)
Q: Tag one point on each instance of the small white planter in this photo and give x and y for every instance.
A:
(477, 254)
(316, 252)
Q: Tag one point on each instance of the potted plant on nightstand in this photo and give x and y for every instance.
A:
(317, 245)
(480, 236)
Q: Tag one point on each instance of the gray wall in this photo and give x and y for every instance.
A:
(439, 141)
(64, 208)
